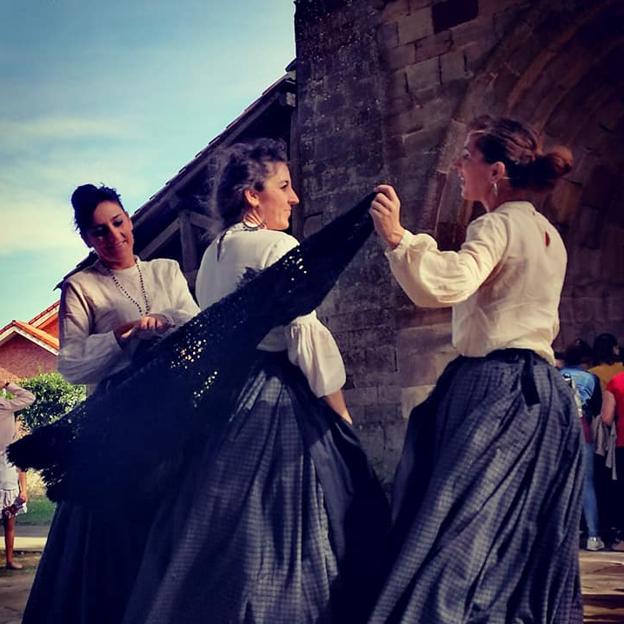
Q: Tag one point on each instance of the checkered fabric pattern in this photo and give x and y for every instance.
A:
(487, 500)
(247, 538)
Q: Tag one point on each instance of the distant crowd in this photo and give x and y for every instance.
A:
(596, 375)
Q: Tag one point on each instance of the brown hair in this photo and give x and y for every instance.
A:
(241, 166)
(517, 146)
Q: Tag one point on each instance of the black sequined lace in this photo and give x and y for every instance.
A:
(153, 410)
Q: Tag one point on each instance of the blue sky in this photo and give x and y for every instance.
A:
(123, 92)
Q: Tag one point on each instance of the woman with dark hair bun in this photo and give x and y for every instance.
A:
(109, 312)
(283, 520)
(486, 501)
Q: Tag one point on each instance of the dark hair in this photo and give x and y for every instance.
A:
(241, 166)
(604, 349)
(517, 146)
(85, 200)
(577, 353)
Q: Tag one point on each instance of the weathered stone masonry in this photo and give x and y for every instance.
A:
(385, 89)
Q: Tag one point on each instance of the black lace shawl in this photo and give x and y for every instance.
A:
(153, 410)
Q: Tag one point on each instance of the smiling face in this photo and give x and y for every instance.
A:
(475, 174)
(273, 204)
(110, 235)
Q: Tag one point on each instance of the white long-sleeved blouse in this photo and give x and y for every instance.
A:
(239, 254)
(504, 284)
(93, 306)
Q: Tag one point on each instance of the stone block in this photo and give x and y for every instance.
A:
(399, 57)
(394, 437)
(614, 307)
(506, 20)
(388, 35)
(394, 147)
(399, 104)
(395, 9)
(452, 145)
(454, 66)
(312, 224)
(415, 26)
(382, 358)
(408, 121)
(423, 352)
(381, 413)
(479, 30)
(361, 396)
(409, 315)
(396, 84)
(362, 319)
(523, 55)
(423, 74)
(433, 45)
(369, 378)
(424, 143)
(389, 394)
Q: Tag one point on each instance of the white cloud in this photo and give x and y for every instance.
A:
(40, 167)
(23, 133)
(33, 222)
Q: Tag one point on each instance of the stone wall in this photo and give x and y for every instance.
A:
(385, 90)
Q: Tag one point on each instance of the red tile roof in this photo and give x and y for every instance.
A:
(32, 331)
(51, 341)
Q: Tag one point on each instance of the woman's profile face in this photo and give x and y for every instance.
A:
(475, 174)
(110, 235)
(275, 202)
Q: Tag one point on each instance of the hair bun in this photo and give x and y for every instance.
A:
(548, 168)
(84, 196)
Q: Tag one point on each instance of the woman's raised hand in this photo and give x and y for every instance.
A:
(144, 328)
(385, 211)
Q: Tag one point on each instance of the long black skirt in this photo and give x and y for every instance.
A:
(88, 567)
(487, 500)
(278, 517)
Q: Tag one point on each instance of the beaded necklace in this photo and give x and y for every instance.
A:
(128, 295)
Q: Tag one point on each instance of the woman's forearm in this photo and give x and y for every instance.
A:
(336, 401)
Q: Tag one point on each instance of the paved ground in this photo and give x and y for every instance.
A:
(602, 579)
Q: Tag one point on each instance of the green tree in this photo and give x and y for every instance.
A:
(55, 397)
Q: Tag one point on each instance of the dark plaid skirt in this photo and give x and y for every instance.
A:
(487, 500)
(278, 518)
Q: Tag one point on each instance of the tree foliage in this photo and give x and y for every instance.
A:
(55, 397)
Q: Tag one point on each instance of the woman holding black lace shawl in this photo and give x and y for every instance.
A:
(280, 518)
(486, 502)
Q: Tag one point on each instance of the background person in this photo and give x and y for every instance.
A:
(13, 487)
(587, 387)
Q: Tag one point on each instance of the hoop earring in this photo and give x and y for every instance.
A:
(495, 188)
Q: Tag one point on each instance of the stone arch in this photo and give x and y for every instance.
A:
(561, 69)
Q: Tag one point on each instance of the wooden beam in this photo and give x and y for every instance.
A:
(165, 236)
(189, 243)
(201, 221)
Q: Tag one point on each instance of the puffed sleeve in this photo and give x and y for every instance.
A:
(84, 358)
(183, 307)
(311, 345)
(436, 279)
